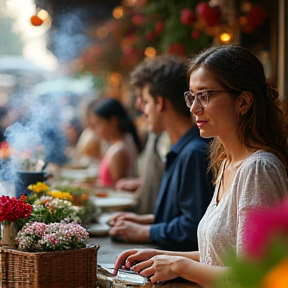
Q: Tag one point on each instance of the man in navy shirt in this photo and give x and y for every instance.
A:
(186, 187)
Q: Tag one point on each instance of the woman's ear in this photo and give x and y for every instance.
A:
(245, 102)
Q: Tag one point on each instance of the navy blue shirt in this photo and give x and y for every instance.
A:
(185, 192)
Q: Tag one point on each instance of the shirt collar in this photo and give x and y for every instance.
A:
(188, 136)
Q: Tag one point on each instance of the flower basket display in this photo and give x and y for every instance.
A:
(70, 268)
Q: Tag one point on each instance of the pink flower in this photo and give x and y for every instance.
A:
(262, 226)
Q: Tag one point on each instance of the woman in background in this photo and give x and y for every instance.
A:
(89, 147)
(113, 124)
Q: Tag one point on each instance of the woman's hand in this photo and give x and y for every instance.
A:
(130, 257)
(160, 267)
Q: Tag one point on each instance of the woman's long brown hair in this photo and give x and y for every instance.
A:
(264, 126)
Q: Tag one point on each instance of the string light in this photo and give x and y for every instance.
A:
(118, 12)
(225, 37)
(43, 14)
(36, 21)
(150, 52)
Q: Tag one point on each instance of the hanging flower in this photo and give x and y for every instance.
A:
(159, 27)
(188, 17)
(177, 48)
(255, 18)
(209, 15)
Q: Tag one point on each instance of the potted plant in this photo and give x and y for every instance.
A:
(12, 210)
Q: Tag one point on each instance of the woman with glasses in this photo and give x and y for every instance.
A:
(232, 103)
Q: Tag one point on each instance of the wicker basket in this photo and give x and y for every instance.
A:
(71, 268)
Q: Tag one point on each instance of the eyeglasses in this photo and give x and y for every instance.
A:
(201, 96)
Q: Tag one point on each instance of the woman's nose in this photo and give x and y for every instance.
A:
(196, 108)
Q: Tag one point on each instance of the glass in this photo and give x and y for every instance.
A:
(201, 96)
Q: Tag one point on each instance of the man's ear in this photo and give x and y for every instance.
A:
(245, 102)
(114, 120)
(160, 103)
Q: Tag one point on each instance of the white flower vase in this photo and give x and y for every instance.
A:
(8, 234)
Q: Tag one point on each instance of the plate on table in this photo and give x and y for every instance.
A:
(99, 229)
(113, 199)
(77, 174)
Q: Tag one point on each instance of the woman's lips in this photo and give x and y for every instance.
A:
(200, 123)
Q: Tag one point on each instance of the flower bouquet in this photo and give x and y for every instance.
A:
(41, 237)
(53, 205)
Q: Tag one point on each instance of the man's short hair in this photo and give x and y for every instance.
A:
(167, 77)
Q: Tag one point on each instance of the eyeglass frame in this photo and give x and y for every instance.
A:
(200, 93)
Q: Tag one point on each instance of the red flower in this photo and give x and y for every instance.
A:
(23, 198)
(138, 19)
(12, 208)
(187, 17)
(149, 36)
(209, 15)
(255, 18)
(195, 34)
(159, 28)
(177, 48)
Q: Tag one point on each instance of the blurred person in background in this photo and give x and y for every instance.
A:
(151, 170)
(72, 129)
(90, 147)
(186, 188)
(113, 124)
(8, 116)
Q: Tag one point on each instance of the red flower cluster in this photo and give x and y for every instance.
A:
(12, 208)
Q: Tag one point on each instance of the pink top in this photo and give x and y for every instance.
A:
(104, 173)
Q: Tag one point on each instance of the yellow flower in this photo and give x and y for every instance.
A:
(38, 187)
(61, 195)
(277, 277)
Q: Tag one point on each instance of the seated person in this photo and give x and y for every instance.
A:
(89, 148)
(233, 103)
(113, 124)
(186, 188)
(147, 186)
